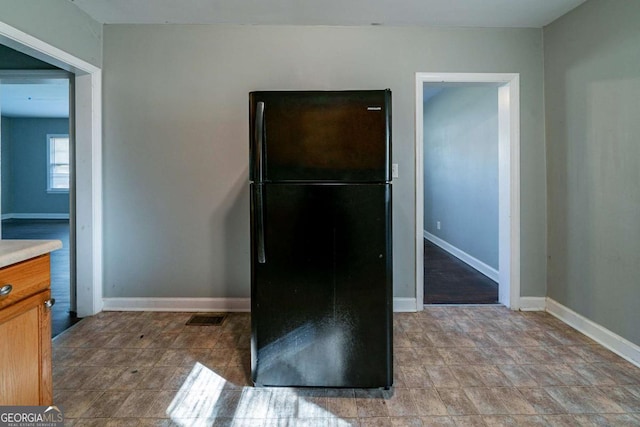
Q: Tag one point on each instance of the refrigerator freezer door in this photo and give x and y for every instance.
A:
(322, 303)
(322, 136)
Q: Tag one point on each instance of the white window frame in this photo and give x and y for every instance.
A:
(51, 136)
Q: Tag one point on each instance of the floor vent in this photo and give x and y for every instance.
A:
(206, 319)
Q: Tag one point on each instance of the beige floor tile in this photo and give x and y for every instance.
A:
(429, 356)
(74, 377)
(521, 355)
(371, 403)
(491, 376)
(442, 376)
(375, 422)
(496, 356)
(406, 422)
(130, 378)
(106, 405)
(541, 401)
(416, 376)
(136, 404)
(566, 375)
(313, 403)
(162, 340)
(580, 400)
(561, 420)
(517, 376)
(623, 397)
(406, 357)
(418, 339)
(486, 400)
(103, 379)
(400, 403)
(543, 375)
(450, 339)
(606, 420)
(515, 421)
(514, 401)
(342, 403)
(157, 378)
(622, 374)
(467, 375)
(457, 402)
(593, 375)
(75, 402)
(469, 421)
(437, 421)
(68, 356)
(481, 339)
(428, 402)
(162, 401)
(453, 366)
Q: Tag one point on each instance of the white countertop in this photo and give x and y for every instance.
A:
(14, 251)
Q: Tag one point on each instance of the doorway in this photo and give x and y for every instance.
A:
(460, 127)
(86, 127)
(508, 189)
(37, 171)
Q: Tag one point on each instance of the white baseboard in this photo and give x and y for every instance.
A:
(533, 303)
(177, 304)
(35, 216)
(209, 304)
(404, 305)
(483, 268)
(614, 342)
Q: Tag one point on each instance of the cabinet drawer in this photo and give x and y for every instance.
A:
(26, 278)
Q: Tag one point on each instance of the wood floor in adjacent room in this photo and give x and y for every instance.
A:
(447, 280)
(49, 229)
(453, 366)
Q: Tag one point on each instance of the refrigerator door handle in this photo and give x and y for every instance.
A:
(259, 138)
(262, 258)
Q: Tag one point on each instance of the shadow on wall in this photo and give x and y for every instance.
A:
(230, 238)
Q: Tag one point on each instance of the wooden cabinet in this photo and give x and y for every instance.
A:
(25, 334)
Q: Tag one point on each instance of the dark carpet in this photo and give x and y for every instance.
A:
(447, 280)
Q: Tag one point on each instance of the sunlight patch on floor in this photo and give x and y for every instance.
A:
(206, 396)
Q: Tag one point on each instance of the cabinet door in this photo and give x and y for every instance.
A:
(25, 352)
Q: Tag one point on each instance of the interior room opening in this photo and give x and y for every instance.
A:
(37, 171)
(461, 193)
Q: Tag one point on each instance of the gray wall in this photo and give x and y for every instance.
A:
(461, 169)
(176, 206)
(592, 88)
(24, 190)
(57, 22)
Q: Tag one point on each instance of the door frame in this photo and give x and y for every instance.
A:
(17, 77)
(508, 179)
(87, 118)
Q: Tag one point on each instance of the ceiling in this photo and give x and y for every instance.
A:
(457, 13)
(47, 100)
(52, 99)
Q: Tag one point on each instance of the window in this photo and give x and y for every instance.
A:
(58, 163)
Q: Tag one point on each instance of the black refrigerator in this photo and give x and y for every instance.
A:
(321, 259)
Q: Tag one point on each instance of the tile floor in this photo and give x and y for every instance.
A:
(454, 366)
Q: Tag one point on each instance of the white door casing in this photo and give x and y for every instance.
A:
(88, 133)
(508, 178)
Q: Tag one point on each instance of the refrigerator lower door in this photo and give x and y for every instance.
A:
(322, 301)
